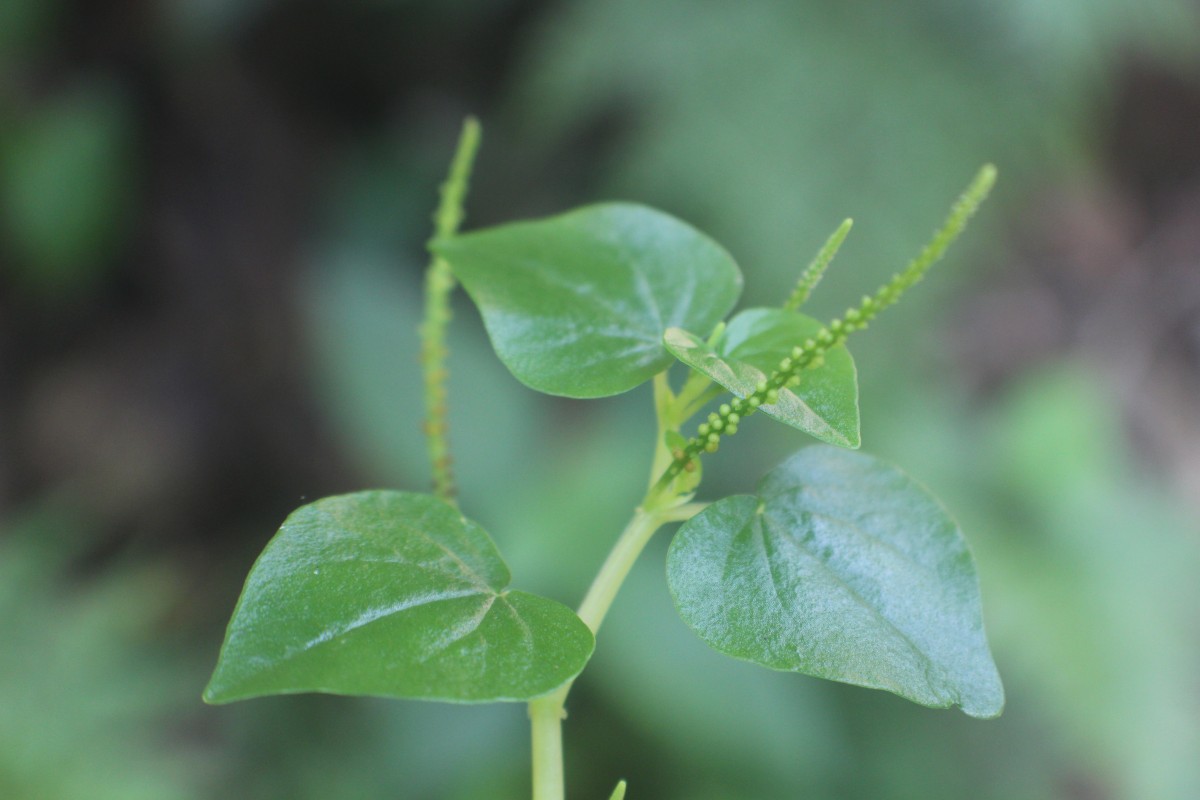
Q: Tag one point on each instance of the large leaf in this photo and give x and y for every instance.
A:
(577, 304)
(824, 405)
(843, 568)
(396, 595)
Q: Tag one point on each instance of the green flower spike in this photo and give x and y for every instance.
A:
(811, 352)
(816, 269)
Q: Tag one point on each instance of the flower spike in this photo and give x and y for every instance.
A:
(811, 353)
(816, 269)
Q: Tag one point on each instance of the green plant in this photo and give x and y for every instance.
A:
(839, 566)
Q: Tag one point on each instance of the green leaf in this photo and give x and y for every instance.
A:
(577, 304)
(842, 568)
(392, 594)
(824, 405)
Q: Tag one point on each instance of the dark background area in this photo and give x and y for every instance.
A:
(212, 226)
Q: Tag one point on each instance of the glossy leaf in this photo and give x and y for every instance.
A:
(577, 304)
(842, 568)
(392, 594)
(824, 405)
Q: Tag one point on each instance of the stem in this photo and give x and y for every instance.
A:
(439, 282)
(621, 558)
(546, 720)
(664, 410)
(547, 713)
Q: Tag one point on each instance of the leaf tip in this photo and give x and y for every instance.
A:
(989, 706)
(212, 697)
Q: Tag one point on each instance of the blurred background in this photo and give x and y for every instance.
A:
(212, 217)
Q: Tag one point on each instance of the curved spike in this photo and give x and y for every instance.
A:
(816, 269)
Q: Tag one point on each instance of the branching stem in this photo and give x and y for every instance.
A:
(663, 503)
(546, 714)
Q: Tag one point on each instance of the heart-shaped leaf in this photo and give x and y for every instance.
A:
(392, 594)
(824, 405)
(843, 568)
(576, 304)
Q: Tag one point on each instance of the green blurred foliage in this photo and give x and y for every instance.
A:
(67, 178)
(86, 691)
(23, 25)
(1088, 575)
(767, 122)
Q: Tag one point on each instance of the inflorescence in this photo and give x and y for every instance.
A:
(811, 353)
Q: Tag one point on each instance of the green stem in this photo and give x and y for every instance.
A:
(545, 719)
(616, 567)
(547, 713)
(439, 283)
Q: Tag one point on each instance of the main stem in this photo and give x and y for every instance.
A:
(547, 713)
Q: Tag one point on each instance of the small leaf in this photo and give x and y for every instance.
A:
(841, 568)
(392, 594)
(576, 305)
(824, 405)
(619, 792)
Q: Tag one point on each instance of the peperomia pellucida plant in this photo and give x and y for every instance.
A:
(838, 566)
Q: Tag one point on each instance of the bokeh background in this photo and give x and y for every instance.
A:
(212, 217)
